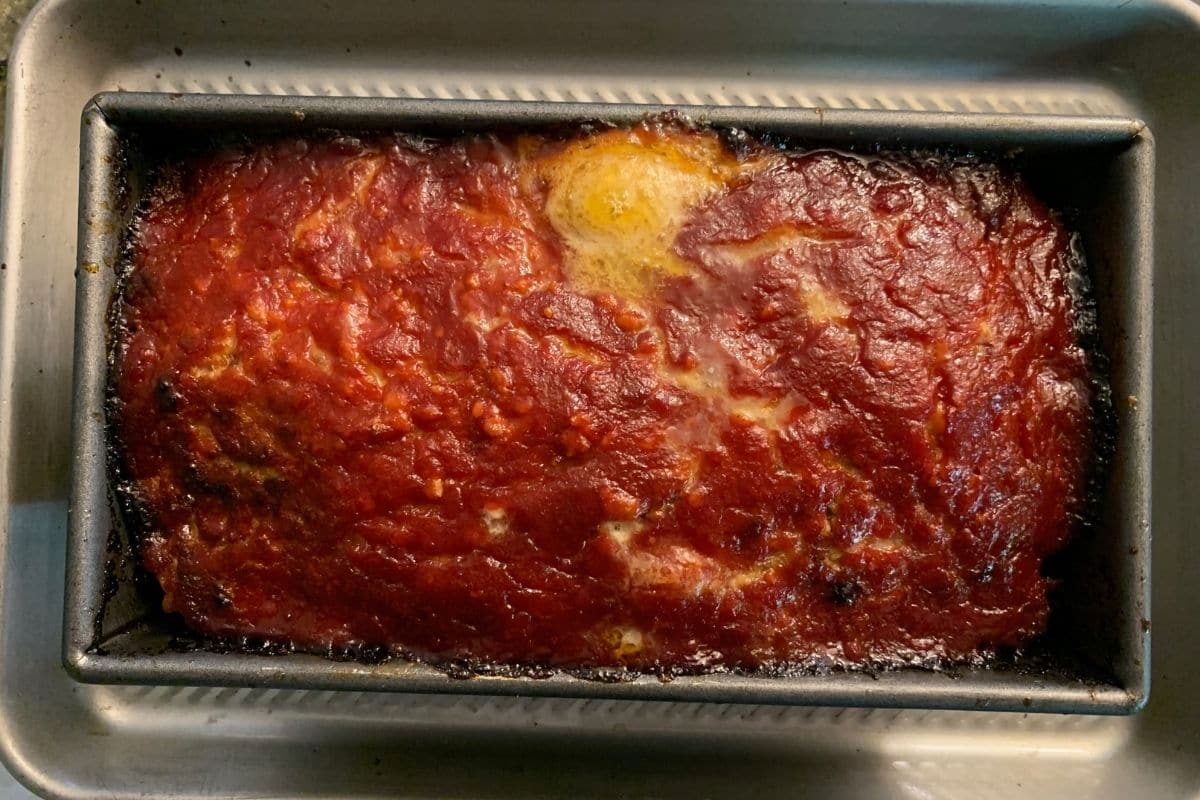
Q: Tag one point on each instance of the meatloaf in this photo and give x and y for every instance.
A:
(652, 397)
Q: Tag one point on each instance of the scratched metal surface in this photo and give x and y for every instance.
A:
(1130, 57)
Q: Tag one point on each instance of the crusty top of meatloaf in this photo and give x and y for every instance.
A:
(625, 397)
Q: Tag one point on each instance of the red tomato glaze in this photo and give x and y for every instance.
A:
(364, 403)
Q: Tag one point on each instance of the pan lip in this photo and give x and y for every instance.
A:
(851, 689)
(104, 120)
(307, 112)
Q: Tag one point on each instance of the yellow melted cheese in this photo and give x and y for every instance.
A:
(618, 202)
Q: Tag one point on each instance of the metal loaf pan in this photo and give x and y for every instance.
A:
(1094, 657)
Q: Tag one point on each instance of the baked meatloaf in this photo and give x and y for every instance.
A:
(653, 397)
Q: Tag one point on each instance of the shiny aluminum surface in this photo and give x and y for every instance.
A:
(1133, 59)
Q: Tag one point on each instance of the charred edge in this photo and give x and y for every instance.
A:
(166, 395)
(738, 142)
(1046, 651)
(1016, 661)
(115, 554)
(845, 593)
(1105, 422)
(131, 518)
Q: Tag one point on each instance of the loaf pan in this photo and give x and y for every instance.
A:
(1094, 657)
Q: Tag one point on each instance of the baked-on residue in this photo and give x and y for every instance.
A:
(620, 398)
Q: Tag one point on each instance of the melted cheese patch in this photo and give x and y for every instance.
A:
(762, 411)
(621, 531)
(627, 641)
(222, 356)
(331, 209)
(820, 304)
(619, 202)
(495, 521)
(779, 239)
